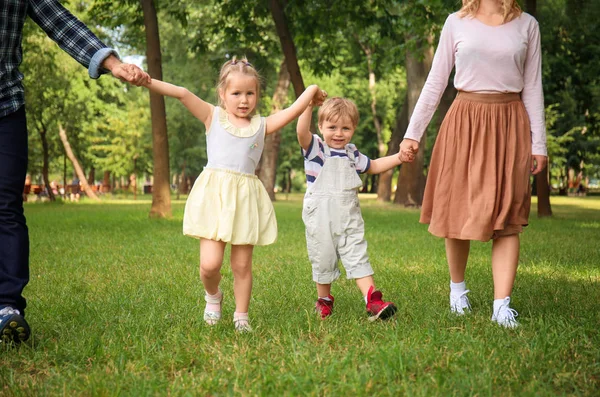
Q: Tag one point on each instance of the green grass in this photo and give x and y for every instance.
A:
(115, 304)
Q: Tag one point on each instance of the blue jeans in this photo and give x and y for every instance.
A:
(14, 236)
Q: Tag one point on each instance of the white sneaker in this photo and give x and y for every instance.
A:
(459, 303)
(505, 316)
(213, 317)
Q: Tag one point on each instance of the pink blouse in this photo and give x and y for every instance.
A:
(488, 59)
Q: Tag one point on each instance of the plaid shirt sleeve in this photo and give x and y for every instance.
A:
(71, 34)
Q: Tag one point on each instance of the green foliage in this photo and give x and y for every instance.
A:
(106, 123)
(123, 145)
(331, 39)
(571, 66)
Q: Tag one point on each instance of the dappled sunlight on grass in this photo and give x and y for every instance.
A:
(116, 304)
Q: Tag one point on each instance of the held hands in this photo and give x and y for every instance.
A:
(319, 97)
(131, 74)
(408, 150)
(538, 163)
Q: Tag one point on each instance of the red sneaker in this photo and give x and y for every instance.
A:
(324, 307)
(377, 308)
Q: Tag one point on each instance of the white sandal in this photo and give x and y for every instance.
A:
(242, 324)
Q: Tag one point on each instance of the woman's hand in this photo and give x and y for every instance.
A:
(538, 163)
(408, 150)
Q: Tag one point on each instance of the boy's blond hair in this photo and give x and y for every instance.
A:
(335, 108)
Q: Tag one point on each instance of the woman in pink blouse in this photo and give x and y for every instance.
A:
(490, 141)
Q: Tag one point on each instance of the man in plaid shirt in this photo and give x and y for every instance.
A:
(81, 44)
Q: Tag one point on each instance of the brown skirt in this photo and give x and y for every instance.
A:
(478, 181)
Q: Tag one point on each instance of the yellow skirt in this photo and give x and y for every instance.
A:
(231, 207)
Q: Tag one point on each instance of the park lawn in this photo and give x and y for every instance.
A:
(115, 305)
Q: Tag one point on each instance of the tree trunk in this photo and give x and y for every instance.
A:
(181, 184)
(106, 185)
(80, 174)
(45, 164)
(267, 171)
(541, 180)
(531, 7)
(445, 103)
(384, 185)
(92, 176)
(543, 193)
(64, 195)
(411, 180)
(161, 190)
(287, 46)
(372, 89)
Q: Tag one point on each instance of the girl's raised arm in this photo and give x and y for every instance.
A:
(200, 109)
(280, 119)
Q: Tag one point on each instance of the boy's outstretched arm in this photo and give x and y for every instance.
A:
(303, 128)
(280, 119)
(200, 109)
(383, 164)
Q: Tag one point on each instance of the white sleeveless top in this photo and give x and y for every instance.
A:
(232, 148)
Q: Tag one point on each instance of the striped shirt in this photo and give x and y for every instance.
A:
(315, 155)
(60, 25)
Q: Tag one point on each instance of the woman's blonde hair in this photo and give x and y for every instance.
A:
(236, 66)
(335, 108)
(510, 9)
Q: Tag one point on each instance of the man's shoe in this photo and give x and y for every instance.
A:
(13, 327)
(377, 309)
(324, 307)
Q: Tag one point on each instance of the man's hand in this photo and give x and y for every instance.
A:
(131, 74)
(126, 72)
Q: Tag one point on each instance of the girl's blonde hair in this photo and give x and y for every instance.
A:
(510, 9)
(236, 66)
(335, 108)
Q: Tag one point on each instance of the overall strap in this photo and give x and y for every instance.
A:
(350, 154)
(326, 150)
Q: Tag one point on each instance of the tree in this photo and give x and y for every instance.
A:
(541, 181)
(268, 162)
(411, 180)
(570, 32)
(161, 190)
(41, 94)
(384, 191)
(82, 179)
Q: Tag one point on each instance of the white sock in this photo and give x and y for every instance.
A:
(366, 301)
(213, 302)
(457, 288)
(498, 303)
(241, 317)
(325, 298)
(215, 296)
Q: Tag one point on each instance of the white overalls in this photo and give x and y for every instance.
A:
(334, 224)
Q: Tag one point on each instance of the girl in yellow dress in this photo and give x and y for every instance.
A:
(228, 203)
